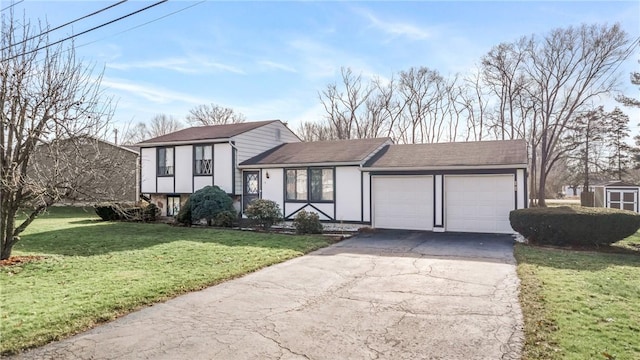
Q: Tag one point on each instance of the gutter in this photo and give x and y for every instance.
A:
(446, 167)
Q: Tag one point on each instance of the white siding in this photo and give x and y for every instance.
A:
(438, 201)
(165, 184)
(273, 187)
(183, 169)
(257, 141)
(290, 207)
(348, 194)
(148, 171)
(523, 197)
(366, 201)
(324, 207)
(201, 181)
(223, 168)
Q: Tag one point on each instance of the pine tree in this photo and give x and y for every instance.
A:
(617, 129)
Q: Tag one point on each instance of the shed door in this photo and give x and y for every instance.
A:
(479, 203)
(622, 199)
(402, 202)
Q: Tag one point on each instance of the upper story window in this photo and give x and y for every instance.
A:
(203, 160)
(165, 161)
(313, 184)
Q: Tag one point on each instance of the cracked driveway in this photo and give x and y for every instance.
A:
(385, 295)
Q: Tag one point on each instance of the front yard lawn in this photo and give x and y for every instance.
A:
(94, 271)
(581, 304)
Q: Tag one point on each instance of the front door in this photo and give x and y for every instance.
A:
(250, 188)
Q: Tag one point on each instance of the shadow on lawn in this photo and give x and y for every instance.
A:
(99, 238)
(583, 259)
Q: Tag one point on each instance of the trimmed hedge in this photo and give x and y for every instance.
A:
(582, 226)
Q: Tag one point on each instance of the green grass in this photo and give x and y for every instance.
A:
(581, 304)
(94, 271)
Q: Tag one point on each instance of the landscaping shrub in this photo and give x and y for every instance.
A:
(116, 211)
(107, 212)
(307, 223)
(225, 219)
(264, 213)
(208, 202)
(581, 226)
(184, 215)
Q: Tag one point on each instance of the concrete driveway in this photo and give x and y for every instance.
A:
(386, 295)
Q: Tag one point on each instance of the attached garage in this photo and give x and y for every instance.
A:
(479, 203)
(402, 202)
(457, 187)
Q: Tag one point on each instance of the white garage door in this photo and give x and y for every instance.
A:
(403, 202)
(479, 203)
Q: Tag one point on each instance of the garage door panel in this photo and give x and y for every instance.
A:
(403, 202)
(479, 203)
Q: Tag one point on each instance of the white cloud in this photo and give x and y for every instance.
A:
(403, 29)
(277, 66)
(185, 65)
(152, 93)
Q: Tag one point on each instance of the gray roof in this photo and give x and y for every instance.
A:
(319, 152)
(210, 132)
(477, 153)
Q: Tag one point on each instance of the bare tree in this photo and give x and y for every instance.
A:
(345, 106)
(51, 105)
(567, 68)
(310, 131)
(213, 114)
(163, 124)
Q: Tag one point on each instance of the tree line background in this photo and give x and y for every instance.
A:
(546, 89)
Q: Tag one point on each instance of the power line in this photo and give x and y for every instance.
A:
(86, 31)
(141, 25)
(10, 6)
(66, 24)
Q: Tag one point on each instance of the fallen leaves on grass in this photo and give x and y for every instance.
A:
(16, 260)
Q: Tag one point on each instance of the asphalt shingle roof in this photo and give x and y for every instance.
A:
(476, 153)
(207, 132)
(338, 151)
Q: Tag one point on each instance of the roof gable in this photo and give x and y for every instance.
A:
(319, 152)
(210, 132)
(476, 153)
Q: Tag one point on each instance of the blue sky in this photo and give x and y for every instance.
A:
(270, 59)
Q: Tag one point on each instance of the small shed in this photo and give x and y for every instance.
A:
(617, 195)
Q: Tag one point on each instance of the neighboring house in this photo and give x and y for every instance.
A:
(86, 170)
(617, 195)
(468, 187)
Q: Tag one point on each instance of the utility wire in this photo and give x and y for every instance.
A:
(141, 25)
(86, 31)
(66, 24)
(12, 5)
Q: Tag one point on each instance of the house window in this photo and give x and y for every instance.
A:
(203, 160)
(297, 184)
(173, 205)
(165, 161)
(321, 184)
(313, 184)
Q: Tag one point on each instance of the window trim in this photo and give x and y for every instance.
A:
(308, 200)
(173, 161)
(194, 160)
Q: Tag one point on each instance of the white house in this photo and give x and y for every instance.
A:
(468, 186)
